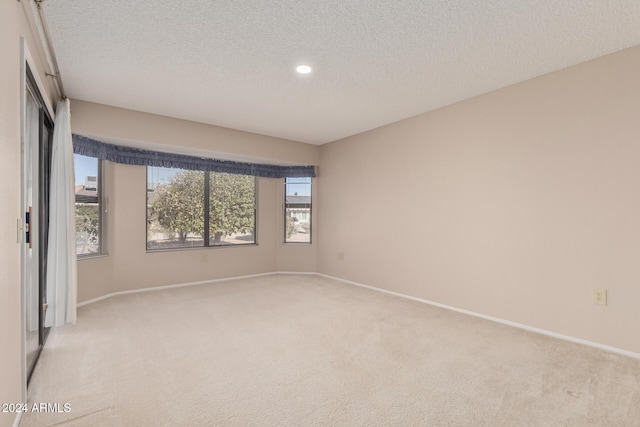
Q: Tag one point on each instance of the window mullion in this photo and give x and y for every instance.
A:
(100, 215)
(207, 190)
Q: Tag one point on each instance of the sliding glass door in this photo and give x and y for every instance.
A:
(38, 135)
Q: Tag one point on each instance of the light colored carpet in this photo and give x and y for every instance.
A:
(307, 351)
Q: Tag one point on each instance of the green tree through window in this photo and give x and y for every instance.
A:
(195, 209)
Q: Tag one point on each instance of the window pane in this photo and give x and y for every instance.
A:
(88, 216)
(175, 208)
(176, 216)
(297, 212)
(232, 207)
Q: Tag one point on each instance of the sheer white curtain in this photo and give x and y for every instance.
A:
(61, 259)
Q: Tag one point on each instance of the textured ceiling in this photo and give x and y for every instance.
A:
(232, 63)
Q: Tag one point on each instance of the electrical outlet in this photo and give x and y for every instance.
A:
(340, 256)
(599, 296)
(203, 257)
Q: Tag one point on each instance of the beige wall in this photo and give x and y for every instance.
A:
(13, 26)
(102, 121)
(514, 204)
(128, 265)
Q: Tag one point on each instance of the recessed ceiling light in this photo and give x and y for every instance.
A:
(303, 69)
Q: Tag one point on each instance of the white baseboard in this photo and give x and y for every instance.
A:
(16, 421)
(493, 319)
(298, 273)
(179, 285)
(435, 304)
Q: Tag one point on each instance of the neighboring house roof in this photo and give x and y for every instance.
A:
(86, 196)
(298, 201)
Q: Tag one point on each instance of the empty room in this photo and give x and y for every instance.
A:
(329, 213)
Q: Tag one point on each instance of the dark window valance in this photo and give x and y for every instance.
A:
(135, 156)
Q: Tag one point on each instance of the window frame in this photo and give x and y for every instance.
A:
(103, 247)
(284, 213)
(205, 216)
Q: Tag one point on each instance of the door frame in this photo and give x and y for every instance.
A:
(26, 63)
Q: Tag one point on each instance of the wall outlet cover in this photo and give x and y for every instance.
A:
(599, 296)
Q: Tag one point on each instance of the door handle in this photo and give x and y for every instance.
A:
(27, 227)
